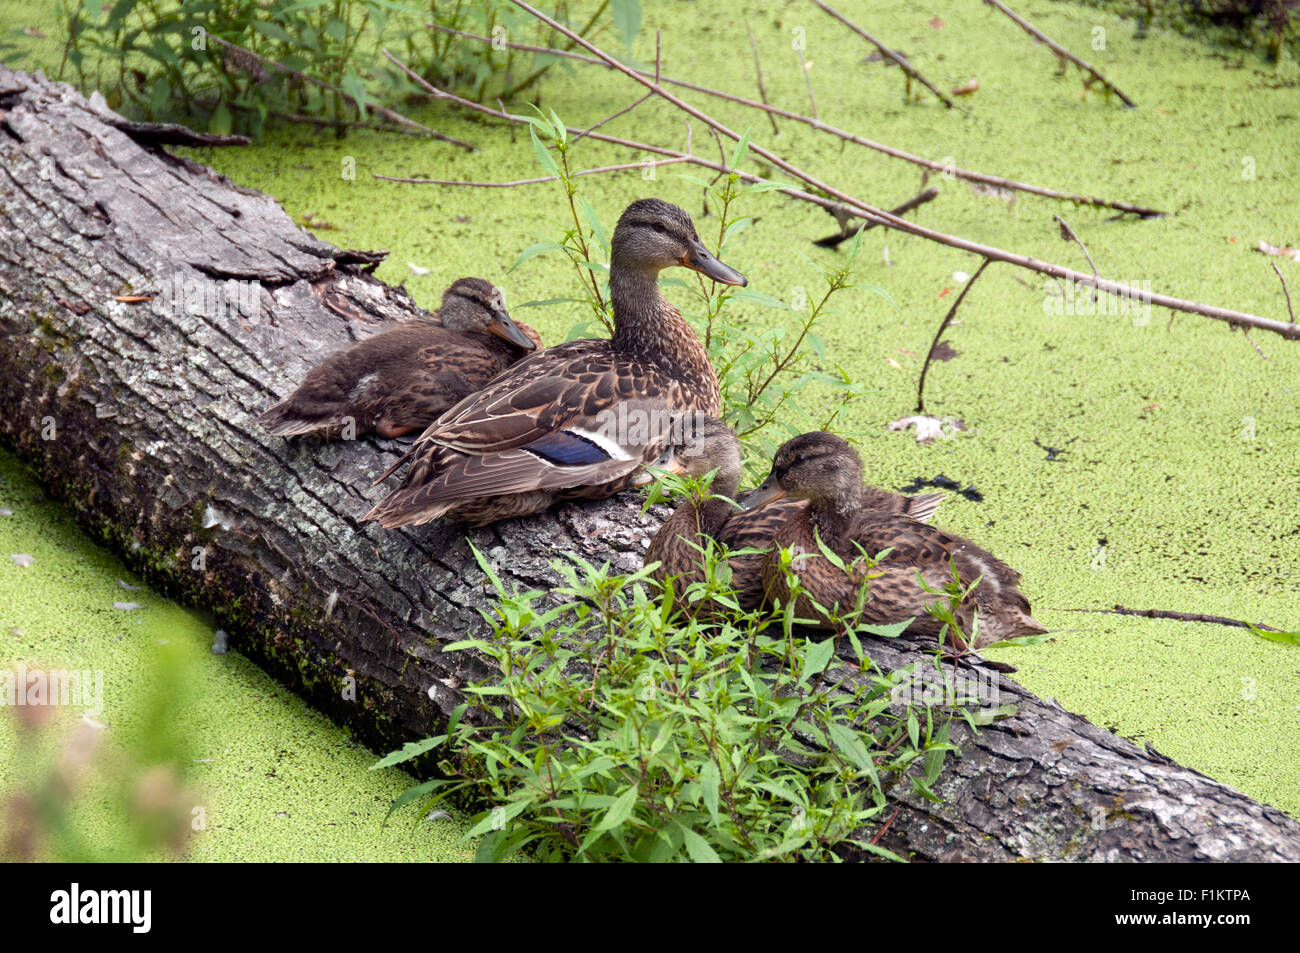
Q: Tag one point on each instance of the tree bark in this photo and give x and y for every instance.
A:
(141, 414)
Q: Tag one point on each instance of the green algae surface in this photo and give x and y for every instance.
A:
(274, 779)
(1176, 475)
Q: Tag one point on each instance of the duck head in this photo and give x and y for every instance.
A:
(702, 444)
(819, 467)
(475, 305)
(652, 235)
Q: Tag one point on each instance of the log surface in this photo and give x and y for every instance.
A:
(141, 414)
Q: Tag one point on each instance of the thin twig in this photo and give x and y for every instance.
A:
(964, 174)
(628, 109)
(545, 178)
(758, 73)
(1258, 350)
(881, 833)
(1289, 310)
(898, 59)
(378, 110)
(621, 112)
(834, 241)
(1177, 616)
(947, 319)
(870, 212)
(538, 73)
(1060, 51)
(836, 199)
(1068, 234)
(322, 123)
(803, 68)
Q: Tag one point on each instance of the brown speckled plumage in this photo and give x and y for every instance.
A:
(403, 378)
(825, 470)
(497, 453)
(680, 543)
(677, 546)
(756, 529)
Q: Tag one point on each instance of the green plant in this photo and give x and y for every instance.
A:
(618, 728)
(236, 62)
(762, 367)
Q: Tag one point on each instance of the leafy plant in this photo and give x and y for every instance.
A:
(620, 728)
(236, 62)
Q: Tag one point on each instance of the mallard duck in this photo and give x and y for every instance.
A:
(712, 445)
(557, 424)
(401, 379)
(679, 545)
(823, 469)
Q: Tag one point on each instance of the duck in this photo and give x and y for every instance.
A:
(577, 420)
(680, 544)
(745, 536)
(825, 470)
(402, 379)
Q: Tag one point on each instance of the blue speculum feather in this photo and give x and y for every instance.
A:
(567, 449)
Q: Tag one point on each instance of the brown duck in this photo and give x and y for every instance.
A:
(824, 470)
(400, 380)
(712, 445)
(557, 424)
(680, 544)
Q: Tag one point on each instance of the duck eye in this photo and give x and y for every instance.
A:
(659, 227)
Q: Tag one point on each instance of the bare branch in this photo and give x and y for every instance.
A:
(537, 74)
(803, 68)
(834, 241)
(1289, 310)
(893, 221)
(947, 320)
(758, 73)
(1060, 51)
(966, 174)
(1068, 234)
(897, 59)
(1178, 616)
(537, 181)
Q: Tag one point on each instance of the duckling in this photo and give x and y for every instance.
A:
(678, 546)
(399, 380)
(712, 445)
(823, 469)
(552, 426)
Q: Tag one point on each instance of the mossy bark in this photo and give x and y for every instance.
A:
(141, 414)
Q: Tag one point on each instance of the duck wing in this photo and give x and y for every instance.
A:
(571, 385)
(576, 416)
(1004, 609)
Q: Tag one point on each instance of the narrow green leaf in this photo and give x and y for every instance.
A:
(697, 848)
(818, 655)
(412, 749)
(627, 17)
(709, 786)
(619, 811)
(1287, 638)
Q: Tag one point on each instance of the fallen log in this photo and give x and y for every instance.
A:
(150, 308)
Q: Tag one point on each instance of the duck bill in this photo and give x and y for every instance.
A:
(647, 475)
(503, 326)
(699, 259)
(769, 492)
